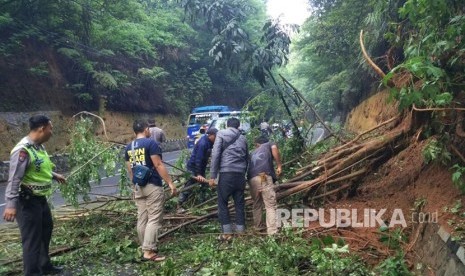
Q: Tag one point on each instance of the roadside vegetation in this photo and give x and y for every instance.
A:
(102, 242)
(168, 56)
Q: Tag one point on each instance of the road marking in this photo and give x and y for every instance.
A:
(168, 161)
(105, 177)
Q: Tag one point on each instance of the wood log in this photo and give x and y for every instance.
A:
(340, 154)
(287, 185)
(351, 176)
(197, 220)
(365, 132)
(203, 218)
(368, 149)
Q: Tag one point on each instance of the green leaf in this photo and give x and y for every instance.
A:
(434, 72)
(383, 228)
(328, 240)
(456, 176)
(443, 99)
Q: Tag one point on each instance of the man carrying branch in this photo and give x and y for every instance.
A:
(197, 165)
(261, 175)
(229, 165)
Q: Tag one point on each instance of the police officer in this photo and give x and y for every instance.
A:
(29, 183)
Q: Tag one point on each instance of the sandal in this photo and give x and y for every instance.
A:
(224, 237)
(154, 258)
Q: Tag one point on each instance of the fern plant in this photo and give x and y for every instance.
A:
(436, 151)
(458, 177)
(105, 79)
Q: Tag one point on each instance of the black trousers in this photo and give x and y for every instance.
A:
(231, 184)
(36, 226)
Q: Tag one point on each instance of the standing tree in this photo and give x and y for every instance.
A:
(233, 47)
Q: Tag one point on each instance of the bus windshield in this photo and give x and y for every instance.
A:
(200, 118)
(220, 122)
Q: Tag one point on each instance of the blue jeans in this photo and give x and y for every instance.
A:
(231, 184)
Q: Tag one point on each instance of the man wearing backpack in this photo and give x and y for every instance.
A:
(261, 176)
(149, 196)
(229, 163)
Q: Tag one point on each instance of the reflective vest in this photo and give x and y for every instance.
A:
(38, 175)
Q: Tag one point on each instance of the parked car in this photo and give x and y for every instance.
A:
(220, 123)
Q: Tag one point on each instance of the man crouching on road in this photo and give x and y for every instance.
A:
(29, 184)
(150, 197)
(261, 177)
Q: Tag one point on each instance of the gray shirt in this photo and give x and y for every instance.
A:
(157, 134)
(19, 159)
(261, 161)
(234, 158)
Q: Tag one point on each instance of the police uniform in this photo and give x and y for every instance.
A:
(29, 183)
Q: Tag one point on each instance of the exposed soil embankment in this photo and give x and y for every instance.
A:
(424, 193)
(13, 126)
(371, 112)
(404, 182)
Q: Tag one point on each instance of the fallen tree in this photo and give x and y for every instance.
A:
(341, 167)
(338, 168)
(333, 172)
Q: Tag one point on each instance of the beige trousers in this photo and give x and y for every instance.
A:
(262, 192)
(149, 201)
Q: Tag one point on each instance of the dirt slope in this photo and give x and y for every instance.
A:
(13, 126)
(371, 112)
(403, 182)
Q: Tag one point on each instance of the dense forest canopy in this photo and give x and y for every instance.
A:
(141, 55)
(421, 40)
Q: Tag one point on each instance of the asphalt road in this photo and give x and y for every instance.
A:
(317, 135)
(108, 185)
